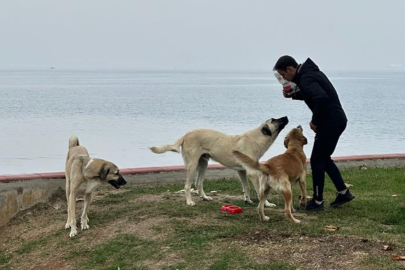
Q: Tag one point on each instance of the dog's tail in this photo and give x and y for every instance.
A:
(168, 147)
(250, 163)
(73, 141)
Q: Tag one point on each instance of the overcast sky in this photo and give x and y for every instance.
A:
(194, 34)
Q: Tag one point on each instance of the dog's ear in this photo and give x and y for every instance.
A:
(104, 171)
(300, 128)
(286, 141)
(266, 130)
(304, 140)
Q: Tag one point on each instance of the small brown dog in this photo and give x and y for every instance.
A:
(281, 172)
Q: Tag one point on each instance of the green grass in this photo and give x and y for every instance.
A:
(202, 237)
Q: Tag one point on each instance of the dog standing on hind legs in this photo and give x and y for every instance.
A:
(281, 172)
(81, 169)
(199, 145)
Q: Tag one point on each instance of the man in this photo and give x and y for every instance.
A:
(328, 122)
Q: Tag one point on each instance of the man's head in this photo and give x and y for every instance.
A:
(286, 66)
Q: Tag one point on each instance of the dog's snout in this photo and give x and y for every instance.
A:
(282, 122)
(284, 119)
(121, 181)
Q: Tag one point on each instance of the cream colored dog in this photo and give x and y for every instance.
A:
(81, 169)
(199, 145)
(281, 172)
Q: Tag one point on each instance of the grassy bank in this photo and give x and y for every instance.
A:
(151, 227)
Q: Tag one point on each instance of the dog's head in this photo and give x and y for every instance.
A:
(295, 135)
(272, 127)
(106, 172)
(111, 174)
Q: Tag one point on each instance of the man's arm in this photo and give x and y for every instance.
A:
(296, 95)
(318, 95)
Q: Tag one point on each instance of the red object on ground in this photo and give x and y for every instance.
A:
(232, 209)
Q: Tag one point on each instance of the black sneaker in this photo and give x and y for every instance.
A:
(313, 206)
(342, 198)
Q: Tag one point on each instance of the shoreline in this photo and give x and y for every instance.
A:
(176, 168)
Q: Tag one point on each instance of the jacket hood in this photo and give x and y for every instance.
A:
(308, 65)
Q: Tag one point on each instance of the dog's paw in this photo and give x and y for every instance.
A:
(265, 218)
(67, 225)
(207, 198)
(73, 233)
(249, 201)
(268, 204)
(85, 226)
(191, 203)
(296, 220)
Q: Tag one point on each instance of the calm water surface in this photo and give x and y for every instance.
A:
(118, 114)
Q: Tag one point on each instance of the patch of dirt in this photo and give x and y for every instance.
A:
(102, 191)
(144, 227)
(168, 259)
(53, 264)
(321, 252)
(48, 218)
(147, 199)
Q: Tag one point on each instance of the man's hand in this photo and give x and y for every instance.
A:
(312, 126)
(286, 94)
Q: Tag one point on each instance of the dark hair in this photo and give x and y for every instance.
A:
(285, 61)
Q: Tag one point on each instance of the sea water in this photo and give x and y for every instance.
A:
(119, 114)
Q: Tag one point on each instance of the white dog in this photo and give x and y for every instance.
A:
(199, 145)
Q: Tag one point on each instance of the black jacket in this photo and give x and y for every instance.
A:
(319, 94)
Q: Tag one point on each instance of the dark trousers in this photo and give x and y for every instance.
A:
(325, 143)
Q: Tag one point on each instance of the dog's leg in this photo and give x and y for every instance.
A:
(255, 181)
(263, 193)
(243, 178)
(67, 225)
(191, 174)
(84, 219)
(198, 178)
(202, 166)
(72, 207)
(288, 200)
(303, 186)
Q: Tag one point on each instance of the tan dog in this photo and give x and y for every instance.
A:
(199, 145)
(81, 169)
(281, 172)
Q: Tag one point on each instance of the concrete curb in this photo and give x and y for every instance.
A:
(129, 171)
(148, 170)
(23, 191)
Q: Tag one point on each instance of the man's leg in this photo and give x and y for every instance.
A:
(334, 174)
(331, 169)
(321, 162)
(318, 167)
(343, 195)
